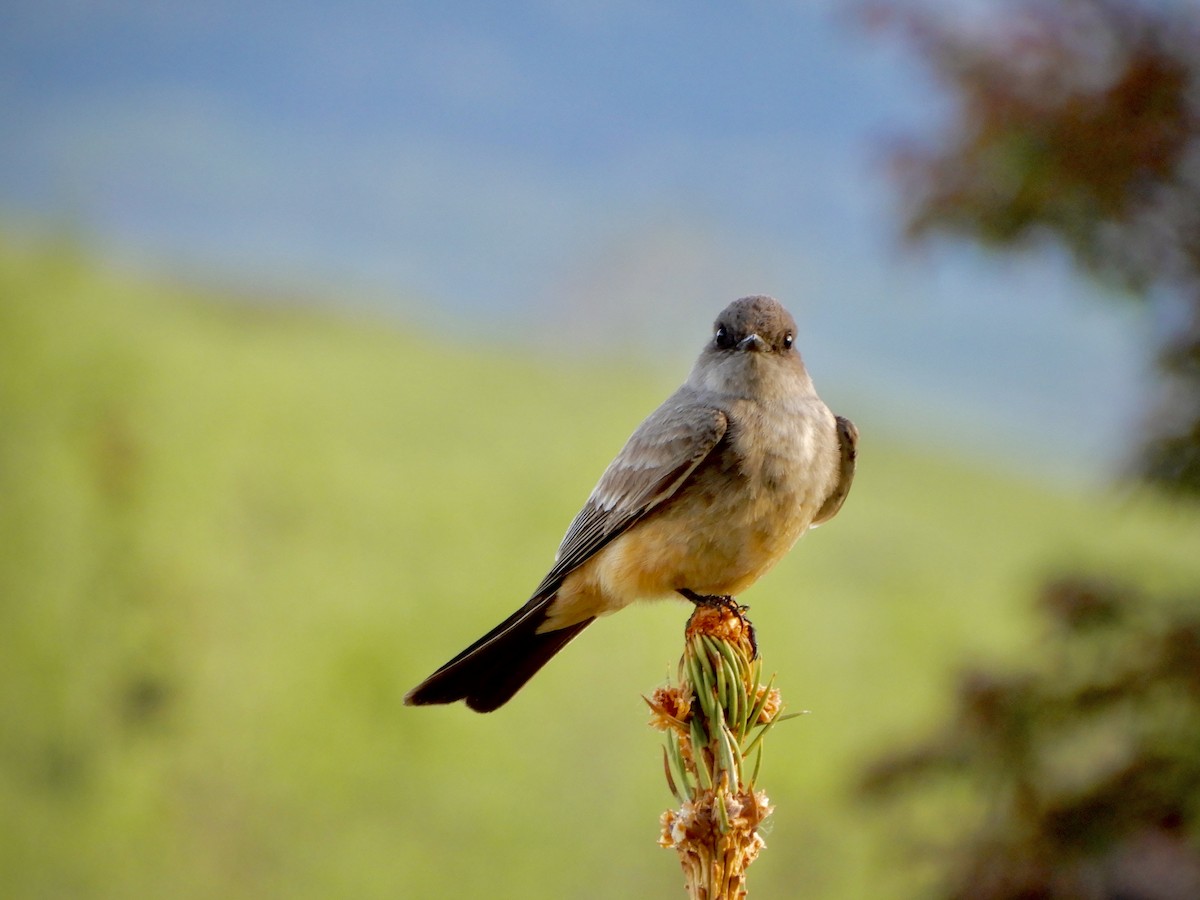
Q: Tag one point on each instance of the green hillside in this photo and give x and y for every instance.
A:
(232, 536)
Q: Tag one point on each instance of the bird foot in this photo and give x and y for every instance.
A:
(726, 602)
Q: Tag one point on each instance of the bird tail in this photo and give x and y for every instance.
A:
(491, 670)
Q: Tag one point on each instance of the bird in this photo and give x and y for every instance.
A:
(706, 496)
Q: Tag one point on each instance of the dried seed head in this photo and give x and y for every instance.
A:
(670, 707)
(723, 622)
(771, 706)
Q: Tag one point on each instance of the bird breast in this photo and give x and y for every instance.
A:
(737, 515)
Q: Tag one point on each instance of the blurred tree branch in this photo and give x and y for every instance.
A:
(1088, 762)
(1078, 120)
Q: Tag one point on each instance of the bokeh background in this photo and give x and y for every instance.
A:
(318, 322)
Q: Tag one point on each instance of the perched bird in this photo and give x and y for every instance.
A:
(707, 495)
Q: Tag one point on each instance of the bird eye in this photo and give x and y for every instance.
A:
(787, 341)
(722, 338)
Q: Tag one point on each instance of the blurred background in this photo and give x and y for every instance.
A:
(318, 323)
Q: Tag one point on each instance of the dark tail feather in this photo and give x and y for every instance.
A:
(491, 670)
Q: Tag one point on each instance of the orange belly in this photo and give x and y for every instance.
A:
(662, 554)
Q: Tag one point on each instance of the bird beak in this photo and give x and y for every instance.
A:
(752, 342)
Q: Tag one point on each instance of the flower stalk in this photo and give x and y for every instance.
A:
(715, 720)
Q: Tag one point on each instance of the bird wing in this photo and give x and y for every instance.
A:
(848, 444)
(655, 462)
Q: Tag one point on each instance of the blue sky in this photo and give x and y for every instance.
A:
(601, 171)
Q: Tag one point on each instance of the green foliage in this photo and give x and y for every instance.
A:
(233, 534)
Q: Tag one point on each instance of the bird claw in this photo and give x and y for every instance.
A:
(726, 602)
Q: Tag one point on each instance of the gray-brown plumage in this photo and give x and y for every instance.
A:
(707, 495)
